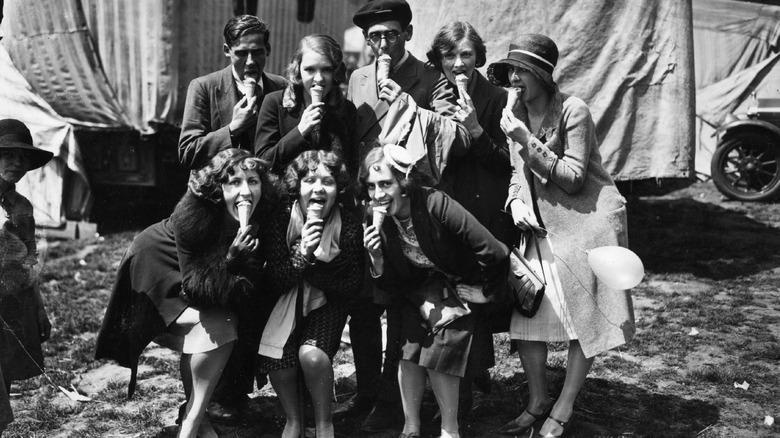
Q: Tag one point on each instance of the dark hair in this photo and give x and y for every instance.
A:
(450, 34)
(299, 168)
(375, 157)
(325, 46)
(206, 183)
(241, 25)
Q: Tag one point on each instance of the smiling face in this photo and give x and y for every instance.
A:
(396, 49)
(318, 187)
(316, 69)
(14, 163)
(460, 58)
(384, 189)
(526, 81)
(241, 188)
(248, 55)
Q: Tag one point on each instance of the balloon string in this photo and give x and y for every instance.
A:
(544, 232)
(8, 329)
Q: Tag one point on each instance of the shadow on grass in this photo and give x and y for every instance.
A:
(686, 236)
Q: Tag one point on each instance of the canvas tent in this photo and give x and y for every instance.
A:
(110, 67)
(737, 53)
(631, 61)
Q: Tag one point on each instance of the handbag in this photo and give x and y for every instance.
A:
(438, 302)
(526, 286)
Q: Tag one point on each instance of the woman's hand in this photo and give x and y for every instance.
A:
(373, 243)
(44, 326)
(514, 128)
(389, 91)
(311, 235)
(242, 247)
(467, 116)
(311, 118)
(523, 215)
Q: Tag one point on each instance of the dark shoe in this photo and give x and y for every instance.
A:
(483, 382)
(182, 411)
(565, 428)
(382, 417)
(354, 405)
(223, 414)
(515, 428)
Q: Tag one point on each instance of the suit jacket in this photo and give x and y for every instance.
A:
(278, 140)
(479, 179)
(451, 238)
(208, 112)
(426, 85)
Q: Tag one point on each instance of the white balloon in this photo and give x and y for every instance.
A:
(618, 267)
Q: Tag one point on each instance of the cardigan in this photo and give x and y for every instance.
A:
(561, 175)
(452, 239)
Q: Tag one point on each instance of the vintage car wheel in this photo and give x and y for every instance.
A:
(745, 166)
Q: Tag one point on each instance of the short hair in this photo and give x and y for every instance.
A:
(299, 168)
(206, 183)
(446, 38)
(325, 46)
(375, 157)
(241, 25)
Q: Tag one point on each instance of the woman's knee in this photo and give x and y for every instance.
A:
(313, 359)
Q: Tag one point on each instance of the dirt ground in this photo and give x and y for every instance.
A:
(704, 362)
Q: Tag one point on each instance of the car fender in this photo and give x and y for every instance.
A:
(755, 125)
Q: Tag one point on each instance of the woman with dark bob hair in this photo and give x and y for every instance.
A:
(559, 185)
(185, 281)
(315, 265)
(425, 256)
(311, 112)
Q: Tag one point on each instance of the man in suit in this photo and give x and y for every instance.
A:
(221, 113)
(221, 107)
(386, 27)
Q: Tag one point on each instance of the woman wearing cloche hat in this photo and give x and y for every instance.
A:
(559, 189)
(23, 324)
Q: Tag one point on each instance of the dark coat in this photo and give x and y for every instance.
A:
(184, 252)
(278, 140)
(478, 180)
(209, 110)
(451, 238)
(426, 85)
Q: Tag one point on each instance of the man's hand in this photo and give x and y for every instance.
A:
(389, 91)
(244, 114)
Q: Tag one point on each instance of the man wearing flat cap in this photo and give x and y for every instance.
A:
(374, 89)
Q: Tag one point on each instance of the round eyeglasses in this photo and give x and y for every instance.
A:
(390, 36)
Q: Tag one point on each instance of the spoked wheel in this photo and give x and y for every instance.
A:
(745, 167)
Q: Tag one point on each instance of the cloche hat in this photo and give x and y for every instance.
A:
(15, 135)
(534, 52)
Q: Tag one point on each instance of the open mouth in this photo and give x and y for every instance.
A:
(318, 201)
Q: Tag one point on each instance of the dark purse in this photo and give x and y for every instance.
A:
(526, 286)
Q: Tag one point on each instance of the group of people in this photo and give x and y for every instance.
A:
(281, 237)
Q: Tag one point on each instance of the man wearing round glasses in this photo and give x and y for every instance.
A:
(387, 27)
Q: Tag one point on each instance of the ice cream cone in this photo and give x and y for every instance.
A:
(314, 212)
(251, 85)
(512, 97)
(243, 214)
(316, 94)
(383, 67)
(462, 81)
(379, 215)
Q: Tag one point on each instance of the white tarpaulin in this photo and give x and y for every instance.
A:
(43, 187)
(630, 61)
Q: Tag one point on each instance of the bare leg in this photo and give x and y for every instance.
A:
(318, 373)
(533, 356)
(285, 383)
(205, 369)
(577, 369)
(446, 389)
(411, 378)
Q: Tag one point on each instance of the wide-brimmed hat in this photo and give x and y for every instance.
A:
(534, 52)
(379, 11)
(15, 135)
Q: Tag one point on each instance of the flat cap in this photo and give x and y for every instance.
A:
(378, 11)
